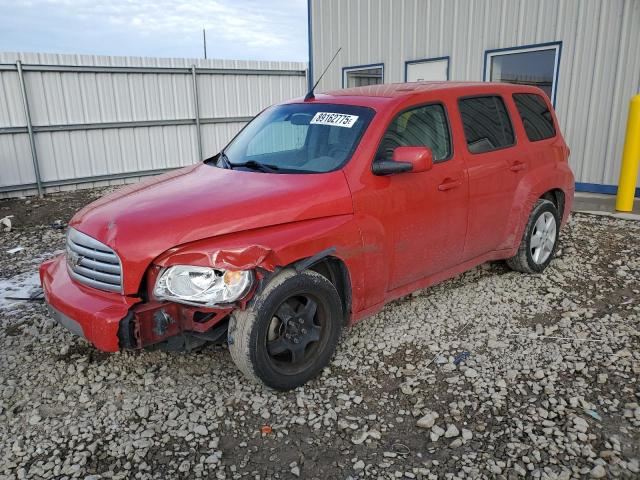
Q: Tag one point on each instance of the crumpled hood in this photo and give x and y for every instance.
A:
(142, 221)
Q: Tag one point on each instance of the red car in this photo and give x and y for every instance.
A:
(316, 214)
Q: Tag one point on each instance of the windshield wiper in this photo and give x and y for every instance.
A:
(254, 165)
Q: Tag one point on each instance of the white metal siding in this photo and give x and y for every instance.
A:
(599, 65)
(64, 98)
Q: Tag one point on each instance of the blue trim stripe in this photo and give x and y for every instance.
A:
(361, 67)
(424, 60)
(524, 47)
(310, 40)
(598, 188)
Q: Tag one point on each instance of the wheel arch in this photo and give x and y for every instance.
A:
(333, 269)
(557, 197)
(526, 197)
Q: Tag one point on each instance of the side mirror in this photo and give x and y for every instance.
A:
(405, 159)
(389, 167)
(420, 158)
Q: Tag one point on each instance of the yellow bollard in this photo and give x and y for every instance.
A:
(630, 159)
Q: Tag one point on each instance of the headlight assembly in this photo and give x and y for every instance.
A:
(202, 286)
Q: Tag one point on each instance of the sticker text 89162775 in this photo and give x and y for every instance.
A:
(334, 119)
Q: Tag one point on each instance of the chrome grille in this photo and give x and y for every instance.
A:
(92, 262)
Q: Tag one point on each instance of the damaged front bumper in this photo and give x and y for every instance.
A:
(111, 321)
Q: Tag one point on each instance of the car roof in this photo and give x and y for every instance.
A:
(388, 93)
(392, 90)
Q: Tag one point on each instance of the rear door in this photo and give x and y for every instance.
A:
(494, 171)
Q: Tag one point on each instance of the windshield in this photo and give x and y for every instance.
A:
(298, 138)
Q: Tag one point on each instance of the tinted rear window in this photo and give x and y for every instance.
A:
(535, 116)
(486, 123)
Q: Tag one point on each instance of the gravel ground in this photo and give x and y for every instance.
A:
(548, 387)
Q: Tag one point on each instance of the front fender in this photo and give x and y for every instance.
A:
(278, 246)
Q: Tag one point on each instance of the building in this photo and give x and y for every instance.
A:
(584, 53)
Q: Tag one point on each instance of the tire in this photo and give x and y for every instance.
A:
(539, 241)
(281, 339)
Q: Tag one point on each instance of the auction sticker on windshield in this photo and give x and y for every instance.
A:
(334, 119)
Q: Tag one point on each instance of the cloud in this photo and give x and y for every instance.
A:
(246, 28)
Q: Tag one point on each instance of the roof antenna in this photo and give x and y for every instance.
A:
(310, 95)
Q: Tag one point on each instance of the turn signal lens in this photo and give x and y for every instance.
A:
(233, 277)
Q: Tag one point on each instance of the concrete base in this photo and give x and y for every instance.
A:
(600, 204)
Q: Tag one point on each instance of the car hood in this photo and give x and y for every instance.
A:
(142, 221)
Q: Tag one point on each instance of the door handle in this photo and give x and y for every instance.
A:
(449, 184)
(518, 166)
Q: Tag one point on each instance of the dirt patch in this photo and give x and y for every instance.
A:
(15, 328)
(53, 207)
(82, 350)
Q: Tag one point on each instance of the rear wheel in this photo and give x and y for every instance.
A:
(539, 241)
(289, 331)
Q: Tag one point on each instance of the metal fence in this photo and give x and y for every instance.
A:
(67, 120)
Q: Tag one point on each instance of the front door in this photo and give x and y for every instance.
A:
(424, 214)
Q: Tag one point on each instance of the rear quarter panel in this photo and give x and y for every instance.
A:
(547, 169)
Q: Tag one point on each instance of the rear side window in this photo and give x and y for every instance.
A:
(535, 116)
(486, 123)
(425, 126)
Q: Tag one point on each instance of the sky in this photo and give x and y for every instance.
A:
(236, 29)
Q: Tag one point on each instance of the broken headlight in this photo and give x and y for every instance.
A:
(202, 286)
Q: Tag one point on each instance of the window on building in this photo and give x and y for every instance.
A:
(424, 126)
(363, 76)
(486, 123)
(535, 116)
(537, 66)
(427, 70)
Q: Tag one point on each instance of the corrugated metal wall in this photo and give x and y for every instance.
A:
(62, 98)
(599, 65)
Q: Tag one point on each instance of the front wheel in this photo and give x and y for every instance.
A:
(539, 241)
(289, 331)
